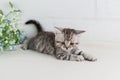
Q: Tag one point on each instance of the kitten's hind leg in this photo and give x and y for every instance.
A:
(25, 45)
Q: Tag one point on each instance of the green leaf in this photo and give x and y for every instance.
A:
(11, 4)
(6, 46)
(2, 21)
(6, 28)
(1, 12)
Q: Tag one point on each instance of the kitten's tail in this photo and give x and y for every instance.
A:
(36, 23)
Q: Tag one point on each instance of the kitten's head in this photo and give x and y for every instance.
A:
(67, 39)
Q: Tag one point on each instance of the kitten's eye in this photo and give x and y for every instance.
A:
(76, 43)
(63, 42)
(57, 41)
(71, 43)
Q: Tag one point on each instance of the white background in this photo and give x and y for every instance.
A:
(100, 18)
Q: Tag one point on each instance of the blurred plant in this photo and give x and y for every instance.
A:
(10, 35)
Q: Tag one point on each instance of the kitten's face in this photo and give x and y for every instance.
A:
(67, 39)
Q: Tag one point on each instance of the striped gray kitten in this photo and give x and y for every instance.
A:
(62, 45)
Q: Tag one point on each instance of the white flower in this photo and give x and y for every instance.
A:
(6, 41)
(12, 42)
(1, 48)
(0, 32)
(3, 17)
(10, 47)
(2, 25)
(0, 14)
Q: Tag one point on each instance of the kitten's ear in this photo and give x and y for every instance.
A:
(80, 31)
(58, 28)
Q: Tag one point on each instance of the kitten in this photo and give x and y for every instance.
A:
(63, 45)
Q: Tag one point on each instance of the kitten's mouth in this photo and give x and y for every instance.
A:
(66, 48)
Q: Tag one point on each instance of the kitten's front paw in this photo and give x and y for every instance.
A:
(61, 56)
(92, 59)
(77, 58)
(81, 58)
(89, 57)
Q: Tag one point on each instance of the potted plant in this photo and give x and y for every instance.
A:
(10, 35)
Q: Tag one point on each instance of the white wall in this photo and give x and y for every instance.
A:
(100, 18)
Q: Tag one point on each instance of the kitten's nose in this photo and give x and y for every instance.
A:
(67, 48)
(67, 43)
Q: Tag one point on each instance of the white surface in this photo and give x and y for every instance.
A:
(29, 65)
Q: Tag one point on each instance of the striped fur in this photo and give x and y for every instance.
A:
(64, 47)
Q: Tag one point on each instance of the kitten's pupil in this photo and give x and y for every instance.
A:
(77, 43)
(58, 41)
(63, 42)
(71, 43)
